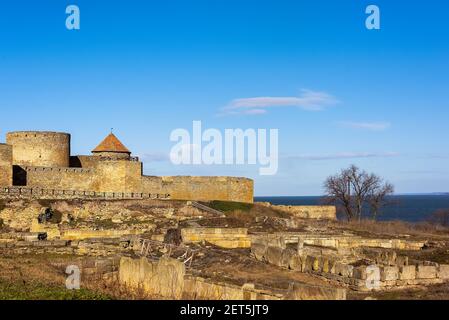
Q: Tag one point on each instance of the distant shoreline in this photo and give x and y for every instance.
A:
(396, 194)
(406, 207)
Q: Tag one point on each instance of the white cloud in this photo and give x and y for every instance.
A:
(347, 155)
(373, 126)
(308, 100)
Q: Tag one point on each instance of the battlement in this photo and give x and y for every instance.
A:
(26, 134)
(52, 169)
(38, 193)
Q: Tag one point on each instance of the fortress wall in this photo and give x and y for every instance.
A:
(5, 165)
(83, 161)
(62, 178)
(126, 177)
(120, 176)
(201, 188)
(112, 176)
(106, 176)
(43, 149)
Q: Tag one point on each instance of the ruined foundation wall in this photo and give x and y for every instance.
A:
(307, 212)
(40, 149)
(5, 165)
(167, 278)
(230, 238)
(202, 188)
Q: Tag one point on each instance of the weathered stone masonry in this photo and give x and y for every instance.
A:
(42, 160)
(5, 164)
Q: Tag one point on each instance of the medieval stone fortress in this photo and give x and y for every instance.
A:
(188, 237)
(42, 160)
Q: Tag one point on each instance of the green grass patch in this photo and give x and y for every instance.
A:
(226, 206)
(39, 291)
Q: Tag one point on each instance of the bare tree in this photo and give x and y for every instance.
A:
(378, 198)
(338, 191)
(354, 189)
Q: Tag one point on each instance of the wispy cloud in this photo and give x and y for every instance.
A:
(346, 155)
(308, 100)
(373, 126)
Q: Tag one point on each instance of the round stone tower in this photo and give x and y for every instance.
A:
(40, 148)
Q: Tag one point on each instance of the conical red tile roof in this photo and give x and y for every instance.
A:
(111, 144)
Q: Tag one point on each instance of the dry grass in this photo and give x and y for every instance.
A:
(395, 228)
(257, 210)
(42, 277)
(433, 292)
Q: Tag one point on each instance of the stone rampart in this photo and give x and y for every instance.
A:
(202, 188)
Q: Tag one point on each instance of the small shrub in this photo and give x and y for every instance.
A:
(440, 217)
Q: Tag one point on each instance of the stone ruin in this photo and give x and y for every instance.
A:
(172, 250)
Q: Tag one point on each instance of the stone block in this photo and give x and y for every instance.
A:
(332, 264)
(426, 272)
(274, 255)
(360, 273)
(308, 265)
(296, 263)
(443, 271)
(344, 270)
(259, 250)
(316, 265)
(402, 261)
(299, 291)
(407, 273)
(59, 243)
(325, 265)
(287, 255)
(389, 273)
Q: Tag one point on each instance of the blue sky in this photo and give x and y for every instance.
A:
(148, 67)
